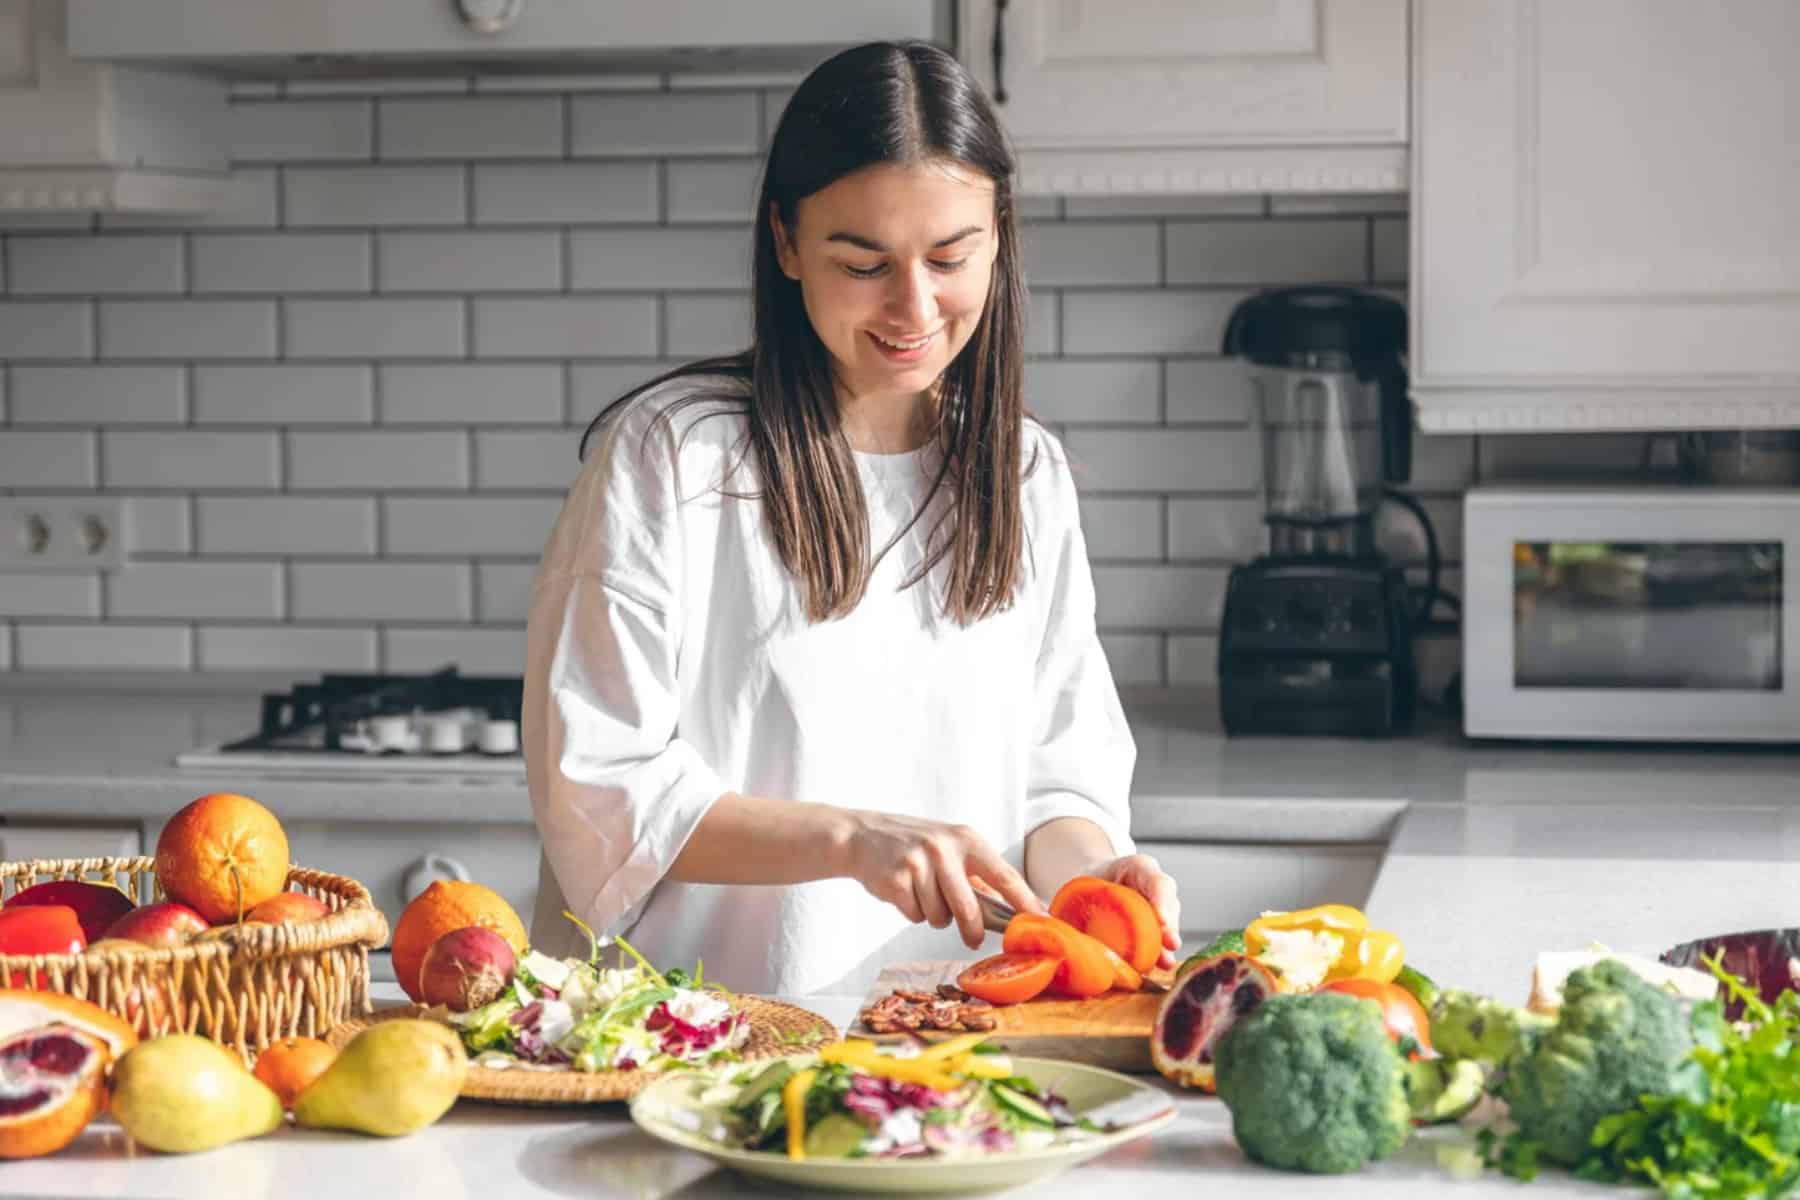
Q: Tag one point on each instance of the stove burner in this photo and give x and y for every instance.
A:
(373, 713)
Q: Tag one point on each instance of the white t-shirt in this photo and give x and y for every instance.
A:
(669, 661)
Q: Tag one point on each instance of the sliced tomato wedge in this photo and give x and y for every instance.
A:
(1008, 978)
(1114, 914)
(1084, 971)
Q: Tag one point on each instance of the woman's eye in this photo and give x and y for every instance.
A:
(951, 266)
(864, 272)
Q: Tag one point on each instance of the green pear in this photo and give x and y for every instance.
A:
(393, 1078)
(182, 1093)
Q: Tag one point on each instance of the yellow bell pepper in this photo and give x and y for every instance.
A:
(793, 1106)
(1362, 953)
(950, 1048)
(1374, 954)
(865, 1057)
(1324, 918)
(981, 1066)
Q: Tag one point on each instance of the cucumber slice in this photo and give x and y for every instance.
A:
(834, 1135)
(1023, 1105)
(769, 1079)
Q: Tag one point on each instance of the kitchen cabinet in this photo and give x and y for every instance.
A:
(1170, 96)
(86, 137)
(1603, 215)
(1224, 885)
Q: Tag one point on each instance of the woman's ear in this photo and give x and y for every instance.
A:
(785, 254)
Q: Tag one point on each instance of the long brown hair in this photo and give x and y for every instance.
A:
(886, 102)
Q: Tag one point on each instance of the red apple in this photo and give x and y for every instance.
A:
(166, 924)
(96, 905)
(466, 968)
(287, 906)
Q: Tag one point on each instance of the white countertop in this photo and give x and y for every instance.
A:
(1495, 853)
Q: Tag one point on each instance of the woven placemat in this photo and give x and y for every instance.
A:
(776, 1029)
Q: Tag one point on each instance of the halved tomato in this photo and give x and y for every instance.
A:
(1400, 1012)
(1009, 978)
(1114, 914)
(1084, 969)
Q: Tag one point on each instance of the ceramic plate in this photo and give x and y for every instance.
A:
(669, 1110)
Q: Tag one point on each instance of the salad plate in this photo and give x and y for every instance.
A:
(1028, 1120)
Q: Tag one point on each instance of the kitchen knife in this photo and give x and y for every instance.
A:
(995, 913)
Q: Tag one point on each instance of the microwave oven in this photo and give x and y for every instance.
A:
(1618, 612)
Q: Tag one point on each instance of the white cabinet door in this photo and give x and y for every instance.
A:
(1228, 96)
(1604, 214)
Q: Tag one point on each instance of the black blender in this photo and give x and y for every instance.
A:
(1316, 635)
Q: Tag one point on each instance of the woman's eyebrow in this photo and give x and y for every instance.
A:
(870, 244)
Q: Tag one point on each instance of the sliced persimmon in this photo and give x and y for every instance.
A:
(1113, 913)
(1084, 969)
(1009, 978)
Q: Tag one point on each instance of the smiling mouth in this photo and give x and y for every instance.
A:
(917, 343)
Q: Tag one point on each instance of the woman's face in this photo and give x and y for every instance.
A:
(893, 262)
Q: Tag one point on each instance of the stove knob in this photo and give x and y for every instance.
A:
(427, 870)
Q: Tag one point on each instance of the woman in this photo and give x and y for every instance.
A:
(812, 646)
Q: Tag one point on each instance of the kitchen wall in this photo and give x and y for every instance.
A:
(343, 416)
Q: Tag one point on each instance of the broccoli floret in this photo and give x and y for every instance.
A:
(1313, 1083)
(1465, 1025)
(1615, 1038)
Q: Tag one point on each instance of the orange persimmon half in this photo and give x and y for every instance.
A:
(1008, 978)
(1084, 969)
(1114, 914)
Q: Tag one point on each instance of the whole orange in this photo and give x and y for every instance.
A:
(445, 906)
(222, 855)
(290, 1065)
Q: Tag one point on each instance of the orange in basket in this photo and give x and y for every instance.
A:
(223, 855)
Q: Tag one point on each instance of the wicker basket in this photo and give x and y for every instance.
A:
(243, 986)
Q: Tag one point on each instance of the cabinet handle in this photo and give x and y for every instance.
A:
(427, 870)
(1000, 51)
(488, 17)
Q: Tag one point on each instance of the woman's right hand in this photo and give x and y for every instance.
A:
(923, 869)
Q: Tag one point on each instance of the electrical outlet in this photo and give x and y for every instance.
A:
(62, 533)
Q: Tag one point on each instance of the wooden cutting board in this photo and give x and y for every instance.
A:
(1111, 1031)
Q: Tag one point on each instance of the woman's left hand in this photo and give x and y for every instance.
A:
(1144, 875)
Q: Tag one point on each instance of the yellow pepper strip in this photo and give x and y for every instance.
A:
(865, 1057)
(981, 1066)
(1340, 919)
(793, 1104)
(853, 1051)
(951, 1048)
(1374, 954)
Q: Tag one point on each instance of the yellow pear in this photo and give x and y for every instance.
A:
(393, 1078)
(182, 1093)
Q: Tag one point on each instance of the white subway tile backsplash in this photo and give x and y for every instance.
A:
(773, 104)
(282, 395)
(1443, 461)
(621, 124)
(564, 192)
(368, 461)
(302, 648)
(85, 265)
(526, 459)
(703, 325)
(1119, 528)
(1082, 207)
(503, 592)
(1090, 253)
(195, 589)
(1268, 252)
(1335, 205)
(286, 525)
(593, 386)
(381, 591)
(1136, 659)
(648, 259)
(476, 651)
(492, 525)
(45, 329)
(1043, 323)
(50, 594)
(713, 189)
(323, 130)
(281, 262)
(160, 524)
(488, 127)
(1164, 460)
(466, 261)
(1096, 391)
(1193, 660)
(564, 326)
(1159, 597)
(1145, 321)
(1208, 391)
(1222, 528)
(113, 646)
(98, 395)
(187, 328)
(374, 328)
(46, 460)
(190, 460)
(255, 203)
(422, 195)
(472, 394)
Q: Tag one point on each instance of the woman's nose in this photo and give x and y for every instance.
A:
(911, 301)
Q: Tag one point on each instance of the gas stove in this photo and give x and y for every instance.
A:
(443, 722)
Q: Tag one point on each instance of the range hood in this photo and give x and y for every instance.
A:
(348, 37)
(84, 137)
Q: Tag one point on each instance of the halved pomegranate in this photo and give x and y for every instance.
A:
(52, 1083)
(1198, 1010)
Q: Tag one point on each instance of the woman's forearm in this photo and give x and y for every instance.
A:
(1059, 850)
(753, 840)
